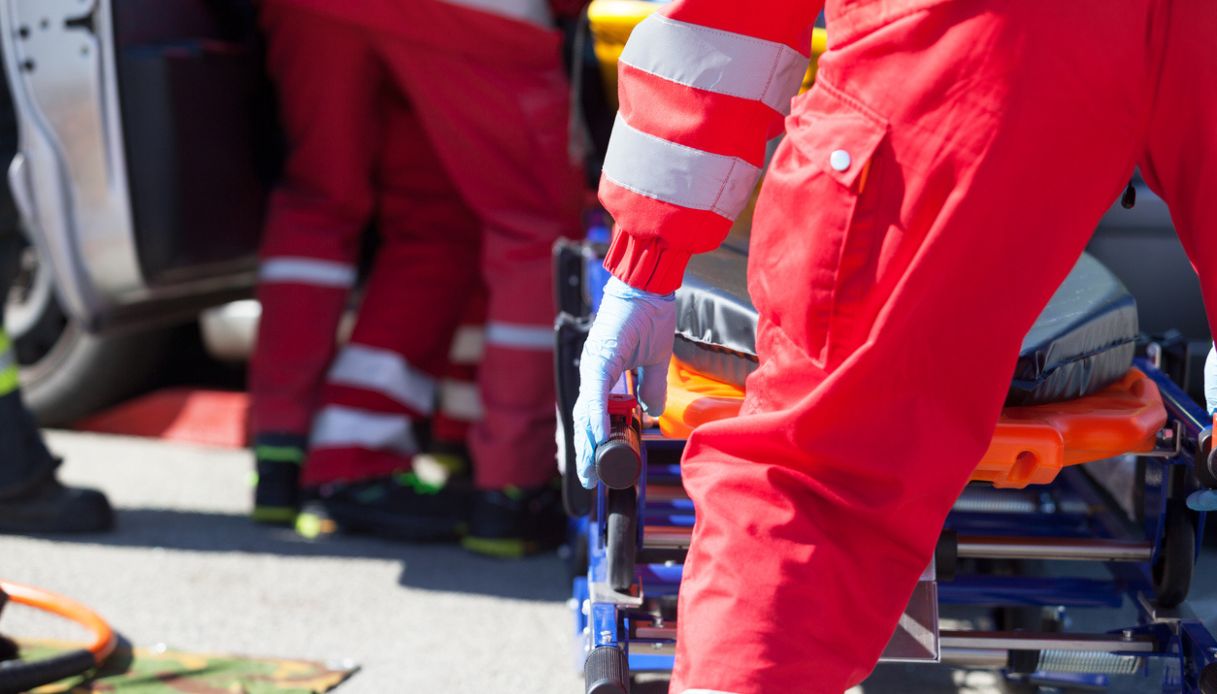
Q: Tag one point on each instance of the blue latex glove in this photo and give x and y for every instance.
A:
(1210, 381)
(633, 329)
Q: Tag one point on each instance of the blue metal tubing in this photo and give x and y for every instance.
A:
(669, 471)
(648, 662)
(1028, 590)
(1179, 405)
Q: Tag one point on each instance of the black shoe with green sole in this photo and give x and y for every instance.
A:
(516, 522)
(278, 458)
(397, 507)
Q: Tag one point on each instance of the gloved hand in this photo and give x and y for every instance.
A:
(1210, 380)
(633, 329)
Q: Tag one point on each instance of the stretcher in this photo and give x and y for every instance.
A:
(1095, 459)
(1089, 399)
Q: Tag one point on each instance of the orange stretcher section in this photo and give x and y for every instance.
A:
(1030, 446)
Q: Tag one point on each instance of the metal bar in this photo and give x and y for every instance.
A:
(666, 537)
(976, 658)
(978, 640)
(1177, 402)
(995, 547)
(1032, 641)
(977, 547)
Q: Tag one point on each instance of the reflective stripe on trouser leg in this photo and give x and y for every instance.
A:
(310, 271)
(460, 402)
(386, 373)
(351, 444)
(374, 397)
(803, 511)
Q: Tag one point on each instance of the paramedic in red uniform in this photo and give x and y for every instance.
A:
(933, 190)
(447, 122)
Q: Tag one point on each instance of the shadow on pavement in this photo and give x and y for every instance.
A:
(436, 566)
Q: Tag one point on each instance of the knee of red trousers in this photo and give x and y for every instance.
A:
(326, 225)
(772, 556)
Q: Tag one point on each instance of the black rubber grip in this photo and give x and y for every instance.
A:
(619, 460)
(19, 676)
(606, 672)
(1023, 662)
(1207, 472)
(1208, 679)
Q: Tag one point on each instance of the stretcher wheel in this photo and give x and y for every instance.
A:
(606, 671)
(621, 538)
(1208, 679)
(1172, 570)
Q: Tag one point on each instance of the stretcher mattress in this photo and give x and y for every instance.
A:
(1082, 342)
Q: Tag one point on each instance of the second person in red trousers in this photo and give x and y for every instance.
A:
(447, 122)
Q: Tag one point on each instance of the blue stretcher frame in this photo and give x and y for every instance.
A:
(1075, 505)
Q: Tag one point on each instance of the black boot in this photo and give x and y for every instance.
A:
(397, 507)
(32, 499)
(49, 506)
(515, 522)
(278, 458)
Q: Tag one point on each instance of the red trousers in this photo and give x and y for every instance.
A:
(464, 163)
(984, 140)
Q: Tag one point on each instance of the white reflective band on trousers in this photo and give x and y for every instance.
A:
(518, 336)
(677, 174)
(320, 273)
(717, 61)
(460, 400)
(531, 11)
(467, 345)
(385, 372)
(348, 427)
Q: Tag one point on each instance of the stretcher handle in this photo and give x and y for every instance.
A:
(619, 459)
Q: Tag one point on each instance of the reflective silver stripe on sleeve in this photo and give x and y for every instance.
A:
(531, 11)
(384, 372)
(321, 273)
(460, 400)
(677, 174)
(8, 360)
(348, 427)
(519, 336)
(717, 61)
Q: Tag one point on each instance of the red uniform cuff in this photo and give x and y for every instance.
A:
(645, 264)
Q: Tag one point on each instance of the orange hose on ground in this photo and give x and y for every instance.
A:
(104, 639)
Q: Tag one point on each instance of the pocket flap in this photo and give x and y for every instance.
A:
(835, 136)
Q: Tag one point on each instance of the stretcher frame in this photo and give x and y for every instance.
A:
(1148, 549)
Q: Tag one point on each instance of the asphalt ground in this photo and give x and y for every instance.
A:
(186, 569)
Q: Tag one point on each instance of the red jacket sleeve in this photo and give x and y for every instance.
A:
(703, 85)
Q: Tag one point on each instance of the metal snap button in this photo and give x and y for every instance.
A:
(839, 160)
